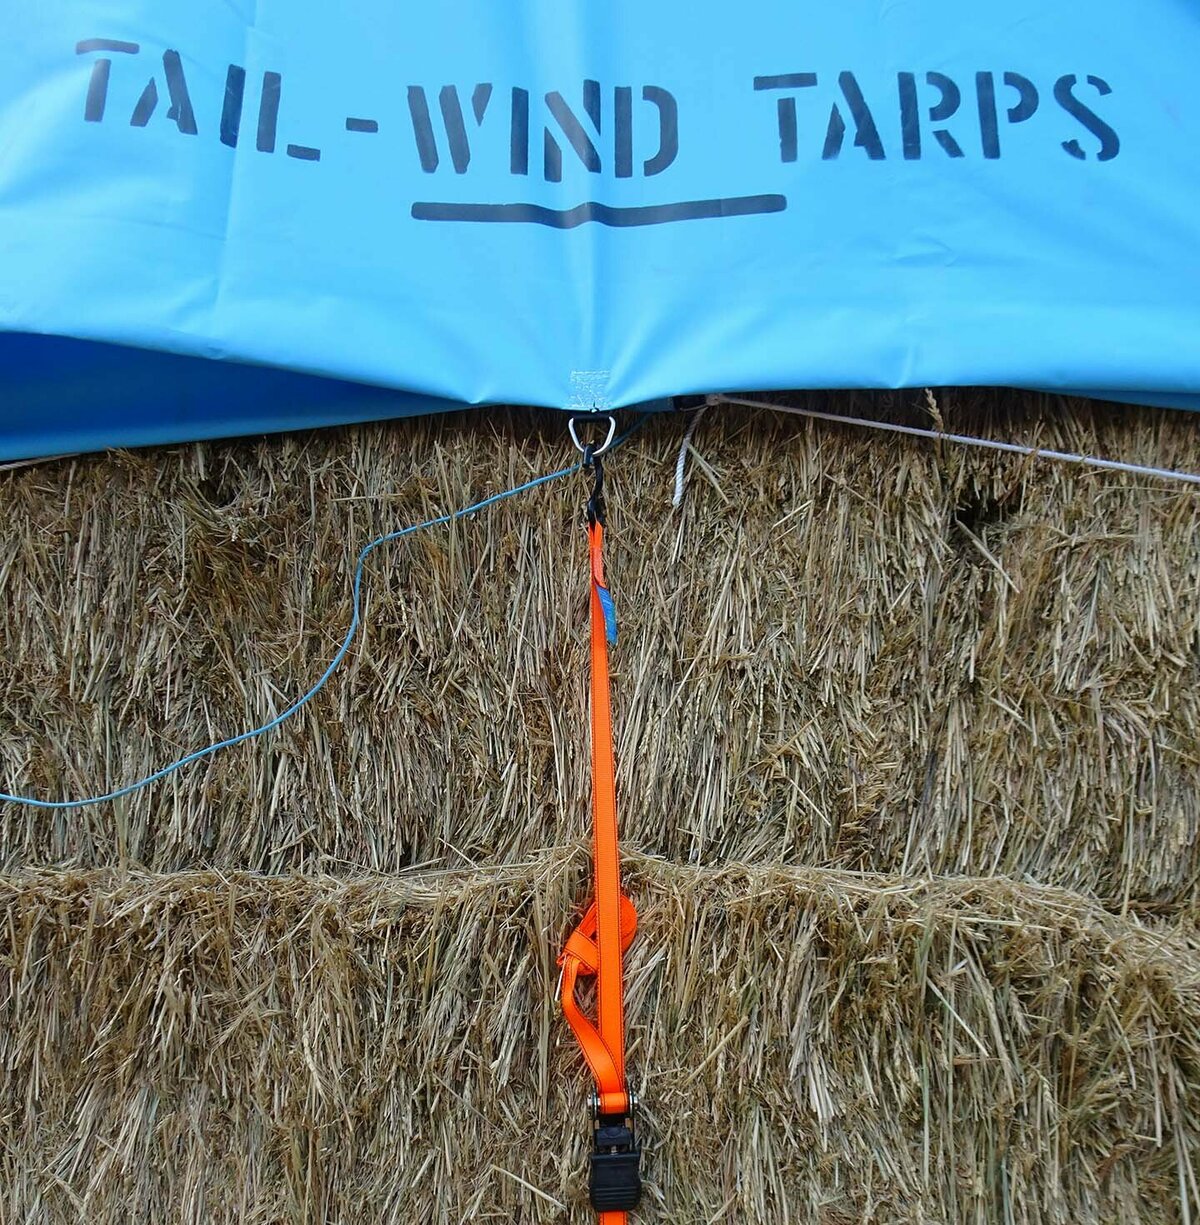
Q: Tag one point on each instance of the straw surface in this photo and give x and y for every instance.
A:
(817, 1046)
(908, 772)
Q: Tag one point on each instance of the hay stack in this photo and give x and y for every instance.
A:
(909, 772)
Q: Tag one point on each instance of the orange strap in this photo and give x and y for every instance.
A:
(608, 927)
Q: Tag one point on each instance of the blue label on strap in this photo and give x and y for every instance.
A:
(610, 614)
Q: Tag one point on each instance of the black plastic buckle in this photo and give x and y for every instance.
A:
(616, 1180)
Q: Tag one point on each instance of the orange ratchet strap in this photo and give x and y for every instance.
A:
(607, 929)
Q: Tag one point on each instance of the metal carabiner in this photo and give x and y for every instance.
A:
(612, 431)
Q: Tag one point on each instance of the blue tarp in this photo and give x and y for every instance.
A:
(584, 206)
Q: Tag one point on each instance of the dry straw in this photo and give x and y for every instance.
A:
(817, 1046)
(908, 761)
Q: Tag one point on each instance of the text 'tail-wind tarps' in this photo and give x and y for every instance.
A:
(584, 206)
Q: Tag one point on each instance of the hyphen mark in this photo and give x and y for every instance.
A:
(105, 44)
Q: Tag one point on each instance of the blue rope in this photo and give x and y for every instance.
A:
(337, 659)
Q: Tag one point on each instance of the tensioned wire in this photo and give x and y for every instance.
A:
(966, 440)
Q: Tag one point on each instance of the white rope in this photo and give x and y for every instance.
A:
(967, 440)
(677, 500)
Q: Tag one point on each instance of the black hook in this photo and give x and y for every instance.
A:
(595, 504)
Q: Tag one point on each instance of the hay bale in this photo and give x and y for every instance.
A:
(816, 1047)
(847, 651)
(908, 773)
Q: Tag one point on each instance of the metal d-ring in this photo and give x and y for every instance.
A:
(612, 431)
